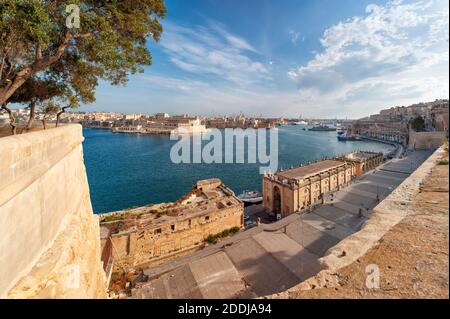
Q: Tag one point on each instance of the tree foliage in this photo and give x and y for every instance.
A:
(110, 44)
(418, 124)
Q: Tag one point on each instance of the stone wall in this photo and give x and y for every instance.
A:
(306, 192)
(426, 140)
(50, 242)
(157, 244)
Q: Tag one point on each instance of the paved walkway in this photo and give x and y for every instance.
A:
(274, 257)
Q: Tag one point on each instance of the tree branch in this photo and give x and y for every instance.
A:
(38, 52)
(81, 36)
(58, 115)
(12, 120)
(30, 70)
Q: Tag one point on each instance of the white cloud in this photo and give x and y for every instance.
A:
(395, 53)
(176, 84)
(295, 36)
(213, 51)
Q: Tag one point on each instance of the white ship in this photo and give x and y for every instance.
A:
(251, 197)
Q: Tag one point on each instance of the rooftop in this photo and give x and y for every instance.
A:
(206, 197)
(311, 169)
(360, 156)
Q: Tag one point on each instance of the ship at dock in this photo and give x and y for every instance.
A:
(323, 128)
(251, 197)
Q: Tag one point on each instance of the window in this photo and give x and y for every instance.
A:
(172, 227)
(158, 231)
(190, 223)
(207, 218)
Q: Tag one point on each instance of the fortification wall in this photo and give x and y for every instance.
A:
(155, 245)
(425, 140)
(50, 242)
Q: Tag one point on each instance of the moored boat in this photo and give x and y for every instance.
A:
(251, 197)
(323, 128)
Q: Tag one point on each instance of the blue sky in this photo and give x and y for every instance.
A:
(315, 58)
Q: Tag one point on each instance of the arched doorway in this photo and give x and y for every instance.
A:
(276, 200)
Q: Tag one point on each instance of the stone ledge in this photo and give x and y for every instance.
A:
(45, 212)
(33, 153)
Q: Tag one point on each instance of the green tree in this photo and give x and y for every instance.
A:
(110, 43)
(418, 124)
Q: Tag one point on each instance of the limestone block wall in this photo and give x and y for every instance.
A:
(50, 241)
(160, 243)
(426, 140)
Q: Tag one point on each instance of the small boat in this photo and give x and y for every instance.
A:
(251, 197)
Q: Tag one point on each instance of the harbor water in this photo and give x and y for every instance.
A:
(127, 170)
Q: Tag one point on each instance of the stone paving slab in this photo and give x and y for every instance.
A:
(260, 270)
(373, 187)
(403, 166)
(349, 208)
(287, 251)
(216, 277)
(393, 175)
(310, 238)
(352, 202)
(383, 180)
(177, 284)
(327, 226)
(340, 217)
(360, 192)
(153, 290)
(350, 196)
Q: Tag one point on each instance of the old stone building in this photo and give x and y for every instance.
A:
(362, 161)
(294, 190)
(151, 235)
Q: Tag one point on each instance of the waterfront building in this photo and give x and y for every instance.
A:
(362, 162)
(154, 234)
(392, 125)
(303, 187)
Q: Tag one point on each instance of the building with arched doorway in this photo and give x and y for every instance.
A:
(296, 189)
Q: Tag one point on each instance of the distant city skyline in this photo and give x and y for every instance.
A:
(321, 59)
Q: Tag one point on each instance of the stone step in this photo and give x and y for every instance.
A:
(288, 252)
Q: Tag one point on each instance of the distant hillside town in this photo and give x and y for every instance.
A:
(398, 124)
(159, 123)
